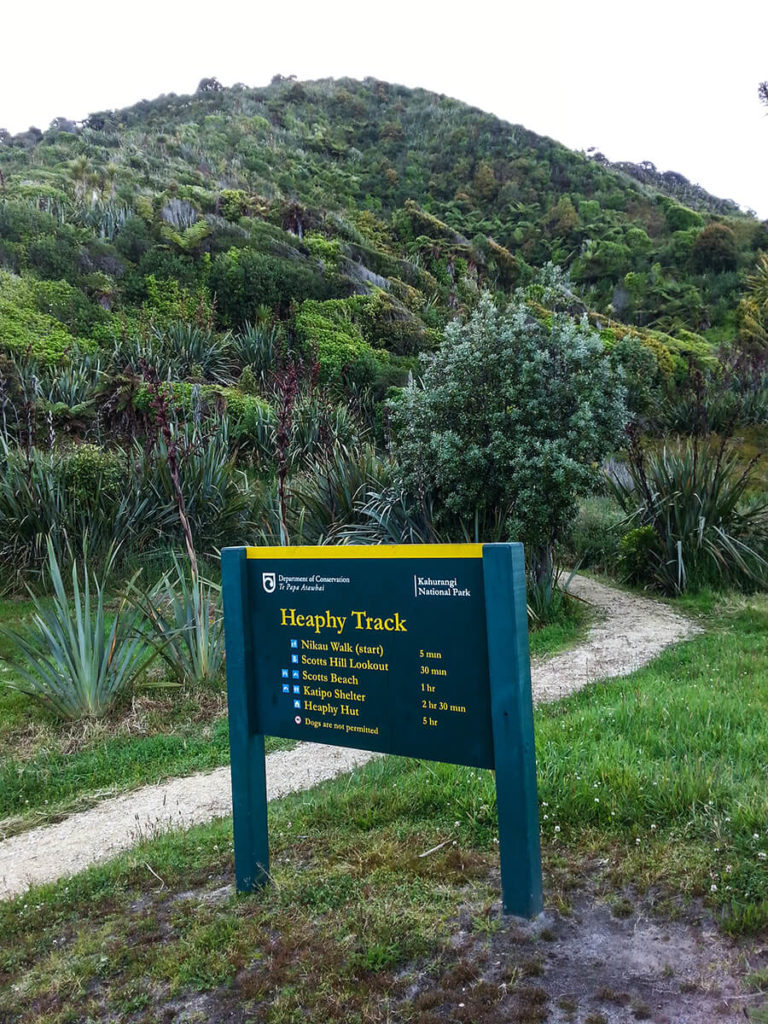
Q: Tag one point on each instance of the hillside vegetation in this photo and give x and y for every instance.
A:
(327, 189)
(240, 278)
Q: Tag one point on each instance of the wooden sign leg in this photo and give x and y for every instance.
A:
(512, 722)
(249, 780)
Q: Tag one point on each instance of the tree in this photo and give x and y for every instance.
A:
(508, 426)
(209, 85)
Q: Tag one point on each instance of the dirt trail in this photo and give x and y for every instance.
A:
(631, 631)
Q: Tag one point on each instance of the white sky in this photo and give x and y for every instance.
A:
(674, 82)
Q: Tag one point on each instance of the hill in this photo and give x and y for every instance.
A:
(324, 190)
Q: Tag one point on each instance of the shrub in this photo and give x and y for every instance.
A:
(256, 347)
(692, 496)
(505, 429)
(59, 498)
(244, 280)
(187, 625)
(639, 549)
(216, 494)
(329, 496)
(74, 659)
(175, 352)
(596, 534)
(715, 249)
(327, 332)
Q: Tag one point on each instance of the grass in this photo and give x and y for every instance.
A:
(570, 629)
(49, 768)
(657, 778)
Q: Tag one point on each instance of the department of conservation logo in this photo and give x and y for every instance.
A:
(269, 582)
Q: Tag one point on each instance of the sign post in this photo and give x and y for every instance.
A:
(417, 650)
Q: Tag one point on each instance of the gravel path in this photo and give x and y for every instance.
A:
(631, 631)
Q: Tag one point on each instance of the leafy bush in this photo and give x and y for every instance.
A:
(74, 659)
(256, 346)
(506, 426)
(244, 280)
(692, 496)
(329, 334)
(639, 549)
(58, 498)
(330, 494)
(25, 330)
(596, 534)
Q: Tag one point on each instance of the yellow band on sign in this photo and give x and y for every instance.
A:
(371, 551)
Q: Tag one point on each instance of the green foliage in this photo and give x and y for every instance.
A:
(177, 351)
(328, 333)
(715, 249)
(27, 331)
(187, 624)
(169, 304)
(57, 498)
(244, 280)
(596, 534)
(753, 308)
(256, 346)
(330, 494)
(642, 375)
(639, 549)
(692, 497)
(680, 218)
(68, 305)
(216, 495)
(74, 659)
(92, 476)
(507, 424)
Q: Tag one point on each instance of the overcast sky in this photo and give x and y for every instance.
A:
(674, 82)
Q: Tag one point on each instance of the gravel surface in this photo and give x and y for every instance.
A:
(632, 630)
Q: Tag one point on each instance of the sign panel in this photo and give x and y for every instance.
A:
(417, 650)
(382, 651)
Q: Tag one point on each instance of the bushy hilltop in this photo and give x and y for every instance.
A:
(363, 215)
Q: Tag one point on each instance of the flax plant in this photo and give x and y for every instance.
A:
(74, 659)
(187, 627)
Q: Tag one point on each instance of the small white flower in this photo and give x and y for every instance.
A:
(597, 799)
(653, 828)
(713, 888)
(637, 842)
(755, 835)
(557, 828)
(761, 856)
(728, 868)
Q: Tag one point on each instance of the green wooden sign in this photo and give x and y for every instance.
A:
(417, 650)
